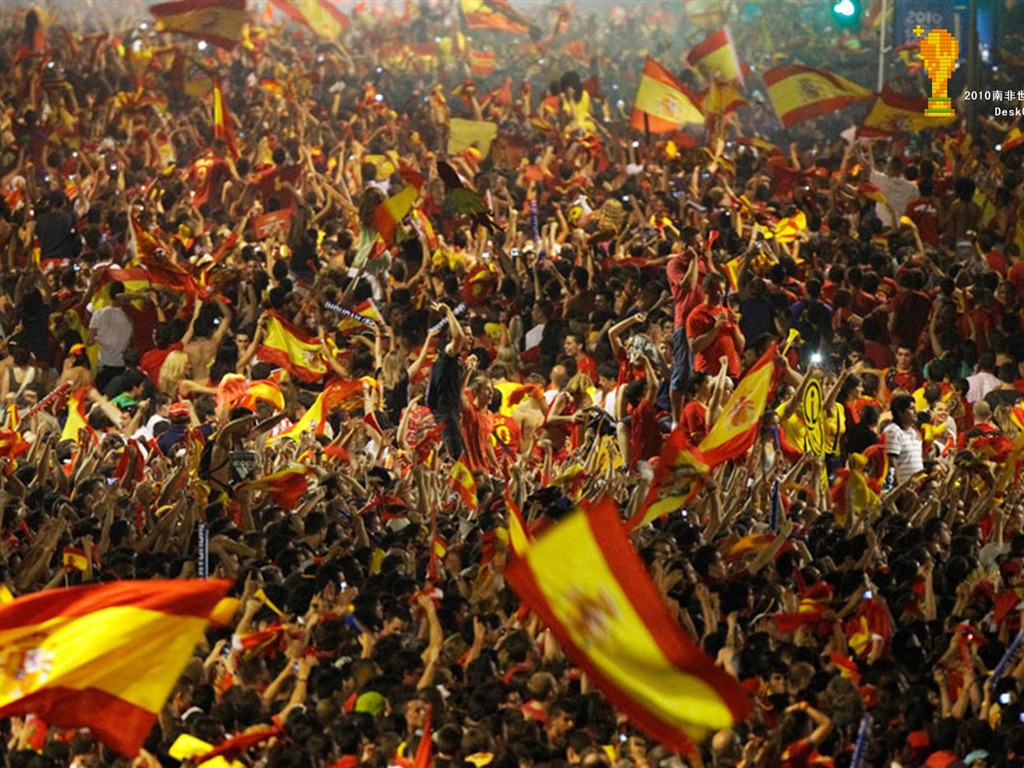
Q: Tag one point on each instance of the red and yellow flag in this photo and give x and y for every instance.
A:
(103, 657)
(76, 419)
(293, 349)
(587, 584)
(737, 428)
(493, 14)
(662, 102)
(388, 214)
(788, 228)
(893, 112)
(75, 559)
(464, 484)
(679, 476)
(481, 62)
(222, 127)
(801, 93)
(343, 395)
(366, 308)
(286, 486)
(216, 21)
(321, 16)
(715, 58)
(518, 534)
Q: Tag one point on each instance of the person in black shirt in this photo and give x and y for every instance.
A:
(444, 390)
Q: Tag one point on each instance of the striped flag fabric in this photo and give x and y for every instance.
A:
(387, 215)
(677, 479)
(285, 486)
(481, 62)
(366, 308)
(662, 102)
(321, 16)
(737, 427)
(338, 395)
(493, 14)
(216, 21)
(464, 484)
(788, 228)
(293, 349)
(588, 585)
(894, 113)
(104, 657)
(715, 58)
(800, 93)
(518, 534)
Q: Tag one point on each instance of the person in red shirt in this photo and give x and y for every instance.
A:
(713, 333)
(574, 346)
(683, 270)
(788, 747)
(909, 309)
(695, 412)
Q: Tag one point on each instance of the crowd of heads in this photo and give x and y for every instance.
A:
(567, 293)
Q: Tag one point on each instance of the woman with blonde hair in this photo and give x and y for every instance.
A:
(566, 413)
(174, 378)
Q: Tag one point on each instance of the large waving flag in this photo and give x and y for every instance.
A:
(715, 58)
(801, 93)
(679, 476)
(589, 587)
(293, 349)
(338, 395)
(662, 102)
(286, 486)
(105, 657)
(494, 14)
(321, 16)
(216, 21)
(737, 427)
(893, 112)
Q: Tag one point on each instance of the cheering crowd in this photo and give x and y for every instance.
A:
(231, 347)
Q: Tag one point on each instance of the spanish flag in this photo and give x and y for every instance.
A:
(464, 484)
(788, 228)
(366, 308)
(321, 16)
(715, 58)
(343, 395)
(293, 349)
(481, 62)
(76, 419)
(679, 476)
(737, 427)
(286, 486)
(893, 113)
(222, 127)
(493, 14)
(104, 657)
(662, 102)
(75, 559)
(589, 587)
(216, 21)
(801, 93)
(387, 215)
(1013, 140)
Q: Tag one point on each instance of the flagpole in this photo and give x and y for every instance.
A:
(881, 45)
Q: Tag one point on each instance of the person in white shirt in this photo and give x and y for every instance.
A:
(983, 380)
(903, 441)
(898, 191)
(111, 328)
